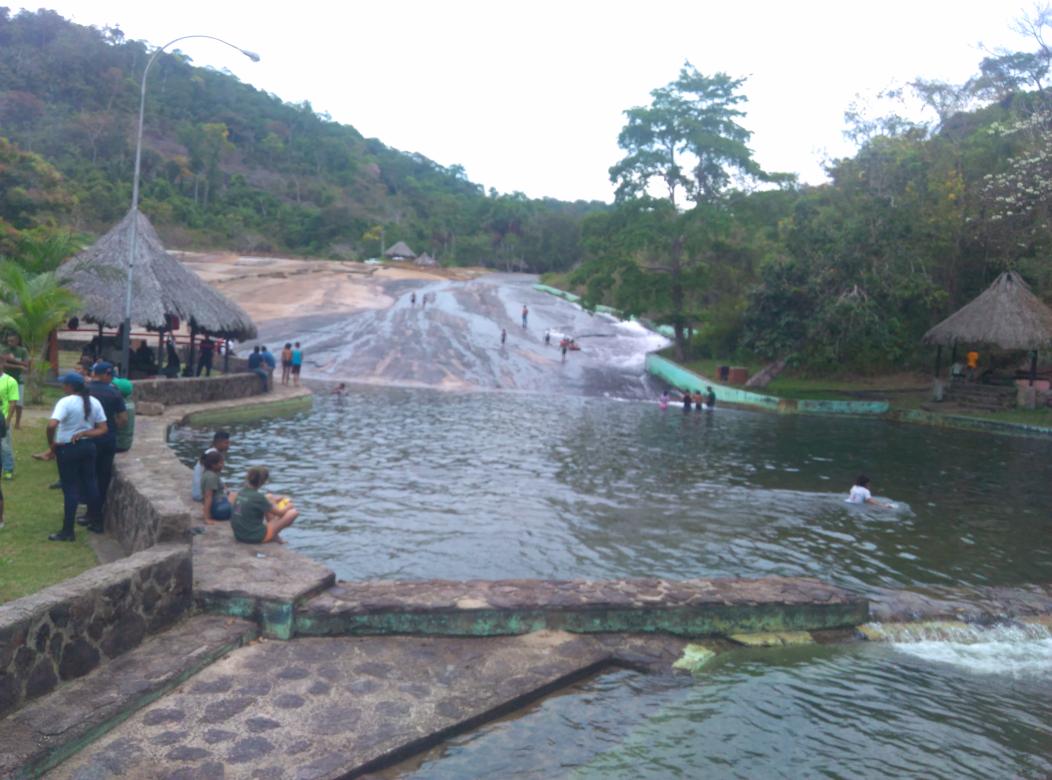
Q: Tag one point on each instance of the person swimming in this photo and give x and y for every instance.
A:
(698, 404)
(663, 400)
(686, 400)
(860, 494)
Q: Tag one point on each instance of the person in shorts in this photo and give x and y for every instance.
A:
(16, 359)
(260, 517)
(297, 363)
(286, 363)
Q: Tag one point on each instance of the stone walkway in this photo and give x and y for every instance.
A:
(325, 708)
(50, 728)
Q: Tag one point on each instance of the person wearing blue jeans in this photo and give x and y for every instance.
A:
(76, 421)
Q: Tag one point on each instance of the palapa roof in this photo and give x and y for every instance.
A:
(401, 249)
(1005, 315)
(426, 259)
(161, 285)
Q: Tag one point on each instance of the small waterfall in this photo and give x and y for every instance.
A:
(1003, 648)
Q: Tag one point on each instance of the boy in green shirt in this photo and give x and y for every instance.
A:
(8, 400)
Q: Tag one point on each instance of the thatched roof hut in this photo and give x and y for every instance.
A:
(426, 260)
(400, 251)
(1006, 315)
(161, 285)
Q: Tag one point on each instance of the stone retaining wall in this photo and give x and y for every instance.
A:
(197, 390)
(68, 629)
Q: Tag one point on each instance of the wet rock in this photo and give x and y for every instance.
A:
(249, 749)
(187, 753)
(222, 710)
(289, 701)
(164, 715)
(259, 724)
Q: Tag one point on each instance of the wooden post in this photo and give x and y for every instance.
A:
(52, 351)
(1033, 367)
(226, 355)
(190, 357)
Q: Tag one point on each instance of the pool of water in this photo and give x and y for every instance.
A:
(422, 484)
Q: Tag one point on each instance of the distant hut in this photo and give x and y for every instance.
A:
(1007, 315)
(426, 260)
(162, 287)
(400, 251)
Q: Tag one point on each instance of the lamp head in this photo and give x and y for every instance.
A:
(250, 54)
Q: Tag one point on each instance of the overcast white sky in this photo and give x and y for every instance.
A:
(529, 96)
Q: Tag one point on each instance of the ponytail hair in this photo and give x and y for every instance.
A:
(85, 395)
(257, 475)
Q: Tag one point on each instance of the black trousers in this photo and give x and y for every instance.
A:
(105, 449)
(76, 470)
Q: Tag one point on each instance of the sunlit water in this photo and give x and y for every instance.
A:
(419, 484)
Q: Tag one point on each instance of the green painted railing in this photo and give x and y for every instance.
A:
(685, 379)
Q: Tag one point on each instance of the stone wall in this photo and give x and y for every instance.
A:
(197, 390)
(149, 498)
(68, 629)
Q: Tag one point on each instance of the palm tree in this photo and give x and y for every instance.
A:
(33, 306)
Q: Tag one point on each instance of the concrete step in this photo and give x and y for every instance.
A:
(260, 582)
(50, 729)
(688, 608)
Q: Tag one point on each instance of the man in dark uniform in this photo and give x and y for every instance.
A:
(101, 387)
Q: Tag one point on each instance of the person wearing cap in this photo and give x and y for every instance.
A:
(101, 388)
(76, 423)
(125, 433)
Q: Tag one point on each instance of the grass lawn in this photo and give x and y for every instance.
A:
(28, 561)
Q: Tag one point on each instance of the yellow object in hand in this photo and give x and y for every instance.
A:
(282, 504)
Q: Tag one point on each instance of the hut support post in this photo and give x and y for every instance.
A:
(226, 356)
(190, 358)
(1033, 367)
(938, 360)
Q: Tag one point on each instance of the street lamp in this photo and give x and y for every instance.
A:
(134, 227)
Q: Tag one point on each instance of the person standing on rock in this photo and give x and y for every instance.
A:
(564, 345)
(412, 300)
(269, 364)
(503, 337)
(525, 315)
(286, 363)
(297, 363)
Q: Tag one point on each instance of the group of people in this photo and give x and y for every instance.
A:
(425, 299)
(691, 400)
(89, 425)
(255, 517)
(262, 363)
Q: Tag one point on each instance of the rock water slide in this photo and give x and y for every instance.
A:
(453, 341)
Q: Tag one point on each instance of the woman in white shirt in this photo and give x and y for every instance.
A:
(860, 493)
(76, 419)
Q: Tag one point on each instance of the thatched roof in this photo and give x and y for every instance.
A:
(1005, 315)
(400, 250)
(161, 285)
(426, 259)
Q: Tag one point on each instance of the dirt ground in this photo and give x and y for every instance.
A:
(273, 288)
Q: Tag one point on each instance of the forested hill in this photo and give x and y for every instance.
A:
(226, 165)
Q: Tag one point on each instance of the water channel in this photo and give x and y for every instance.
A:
(416, 483)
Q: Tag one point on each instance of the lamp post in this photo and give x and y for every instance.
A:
(133, 228)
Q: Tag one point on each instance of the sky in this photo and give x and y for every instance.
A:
(530, 96)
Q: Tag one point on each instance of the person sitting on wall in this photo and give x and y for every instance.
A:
(220, 444)
(260, 517)
(218, 503)
(255, 365)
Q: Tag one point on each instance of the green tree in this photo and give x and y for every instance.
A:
(33, 306)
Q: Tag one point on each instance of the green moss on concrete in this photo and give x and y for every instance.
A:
(710, 620)
(694, 658)
(775, 639)
(250, 411)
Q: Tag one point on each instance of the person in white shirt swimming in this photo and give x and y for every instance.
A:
(860, 494)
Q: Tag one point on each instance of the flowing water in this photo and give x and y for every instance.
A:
(403, 483)
(566, 482)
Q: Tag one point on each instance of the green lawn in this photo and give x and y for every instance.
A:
(28, 561)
